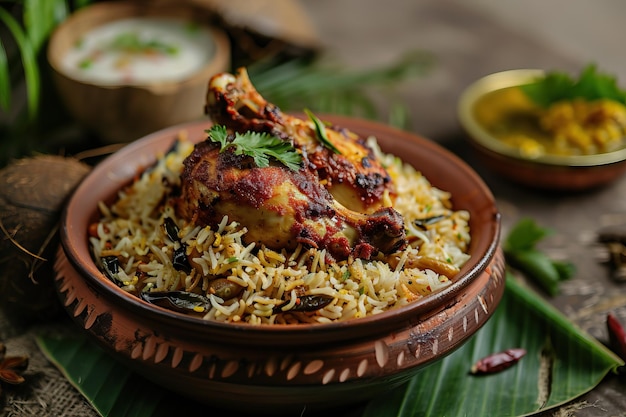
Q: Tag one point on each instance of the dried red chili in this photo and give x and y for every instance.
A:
(498, 361)
(617, 335)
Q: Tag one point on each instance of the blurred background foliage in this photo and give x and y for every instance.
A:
(33, 119)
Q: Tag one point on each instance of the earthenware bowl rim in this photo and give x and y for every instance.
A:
(481, 137)
(335, 330)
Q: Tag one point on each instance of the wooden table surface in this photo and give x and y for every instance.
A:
(473, 39)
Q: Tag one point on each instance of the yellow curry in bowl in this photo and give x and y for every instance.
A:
(546, 117)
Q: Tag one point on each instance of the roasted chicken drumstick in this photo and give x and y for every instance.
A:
(354, 176)
(283, 207)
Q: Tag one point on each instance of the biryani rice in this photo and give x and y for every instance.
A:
(132, 230)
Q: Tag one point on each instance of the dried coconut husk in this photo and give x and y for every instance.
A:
(32, 194)
(266, 29)
(262, 29)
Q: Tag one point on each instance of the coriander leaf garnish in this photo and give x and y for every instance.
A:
(260, 146)
(557, 86)
(320, 131)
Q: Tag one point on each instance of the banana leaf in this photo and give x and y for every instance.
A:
(561, 359)
(111, 388)
(562, 363)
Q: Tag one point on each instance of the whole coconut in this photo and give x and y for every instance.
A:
(32, 194)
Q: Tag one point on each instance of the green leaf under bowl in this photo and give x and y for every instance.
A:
(443, 389)
(578, 363)
(110, 387)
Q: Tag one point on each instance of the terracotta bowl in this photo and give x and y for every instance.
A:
(282, 368)
(548, 172)
(127, 111)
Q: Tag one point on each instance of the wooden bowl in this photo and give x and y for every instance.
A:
(547, 172)
(124, 112)
(282, 368)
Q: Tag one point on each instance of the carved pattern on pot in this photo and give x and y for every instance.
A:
(150, 347)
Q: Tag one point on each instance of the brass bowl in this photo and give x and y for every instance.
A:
(282, 369)
(548, 172)
(124, 112)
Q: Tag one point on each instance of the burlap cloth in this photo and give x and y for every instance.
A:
(46, 391)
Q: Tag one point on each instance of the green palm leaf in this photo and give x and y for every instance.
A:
(298, 83)
(41, 17)
(443, 389)
(5, 80)
(29, 61)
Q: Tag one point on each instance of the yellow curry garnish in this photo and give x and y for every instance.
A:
(557, 115)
